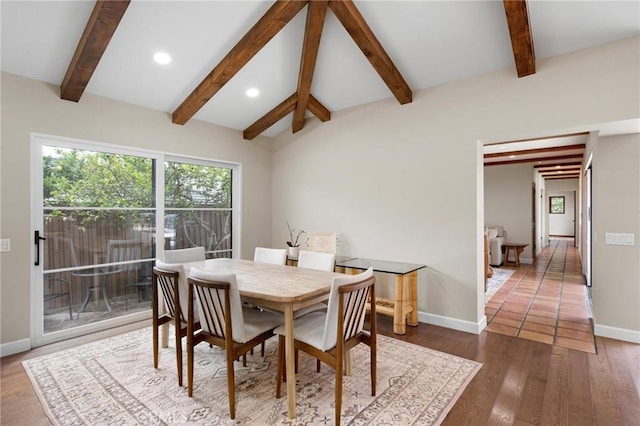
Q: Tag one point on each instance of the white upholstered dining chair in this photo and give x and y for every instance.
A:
(270, 255)
(316, 260)
(328, 336)
(224, 323)
(191, 254)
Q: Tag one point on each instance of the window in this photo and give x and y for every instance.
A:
(106, 212)
(198, 207)
(556, 205)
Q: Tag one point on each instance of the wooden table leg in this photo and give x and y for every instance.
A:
(411, 281)
(290, 361)
(399, 319)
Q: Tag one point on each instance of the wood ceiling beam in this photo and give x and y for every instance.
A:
(255, 39)
(536, 151)
(534, 160)
(319, 110)
(312, 33)
(573, 163)
(573, 175)
(560, 169)
(270, 118)
(350, 17)
(521, 38)
(101, 26)
(562, 177)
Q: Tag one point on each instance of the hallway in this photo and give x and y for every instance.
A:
(546, 302)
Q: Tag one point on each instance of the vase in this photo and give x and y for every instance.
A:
(293, 252)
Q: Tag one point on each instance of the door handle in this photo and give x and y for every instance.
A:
(36, 240)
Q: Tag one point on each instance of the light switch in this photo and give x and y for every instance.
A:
(5, 244)
(619, 239)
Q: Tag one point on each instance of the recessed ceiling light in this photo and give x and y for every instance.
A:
(162, 58)
(512, 156)
(252, 92)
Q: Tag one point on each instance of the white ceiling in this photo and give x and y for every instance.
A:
(431, 42)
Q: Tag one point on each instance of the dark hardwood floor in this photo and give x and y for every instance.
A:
(522, 382)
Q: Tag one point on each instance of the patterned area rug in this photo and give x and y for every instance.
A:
(500, 276)
(113, 381)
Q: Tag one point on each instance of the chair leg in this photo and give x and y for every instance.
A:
(231, 387)
(280, 372)
(155, 345)
(69, 303)
(179, 353)
(189, 365)
(262, 350)
(317, 365)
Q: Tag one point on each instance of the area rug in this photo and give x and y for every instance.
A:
(113, 381)
(499, 277)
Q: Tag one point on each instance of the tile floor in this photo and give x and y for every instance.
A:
(546, 301)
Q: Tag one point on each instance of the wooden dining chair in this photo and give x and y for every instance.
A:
(329, 336)
(170, 290)
(224, 323)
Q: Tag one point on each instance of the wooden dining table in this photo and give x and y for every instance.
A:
(281, 288)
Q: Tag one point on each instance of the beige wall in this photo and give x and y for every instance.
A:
(31, 106)
(396, 182)
(399, 182)
(616, 208)
(508, 202)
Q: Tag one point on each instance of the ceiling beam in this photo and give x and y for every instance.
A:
(255, 39)
(521, 38)
(536, 151)
(319, 110)
(312, 33)
(572, 163)
(350, 17)
(97, 34)
(533, 160)
(270, 118)
(562, 177)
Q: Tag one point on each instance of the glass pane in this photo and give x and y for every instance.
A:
(81, 178)
(99, 225)
(210, 229)
(193, 185)
(198, 204)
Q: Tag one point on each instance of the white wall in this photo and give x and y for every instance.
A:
(616, 208)
(508, 203)
(401, 182)
(31, 106)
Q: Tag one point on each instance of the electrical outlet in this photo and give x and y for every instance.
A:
(5, 244)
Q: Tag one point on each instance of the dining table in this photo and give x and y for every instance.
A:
(281, 288)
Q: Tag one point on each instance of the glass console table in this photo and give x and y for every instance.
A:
(404, 307)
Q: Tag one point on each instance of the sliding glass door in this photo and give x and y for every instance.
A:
(101, 219)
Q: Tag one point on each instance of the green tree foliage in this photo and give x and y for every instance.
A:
(114, 187)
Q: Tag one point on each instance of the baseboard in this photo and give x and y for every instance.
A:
(15, 347)
(453, 323)
(526, 260)
(623, 334)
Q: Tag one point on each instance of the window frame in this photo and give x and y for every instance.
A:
(551, 203)
(38, 140)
